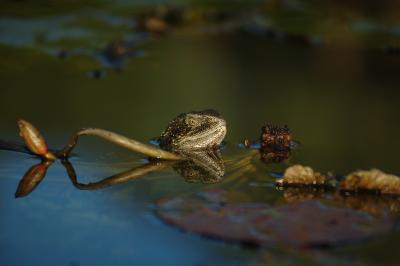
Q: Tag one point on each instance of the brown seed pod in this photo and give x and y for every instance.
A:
(34, 140)
(276, 138)
(275, 144)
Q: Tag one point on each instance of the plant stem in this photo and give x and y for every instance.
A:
(120, 140)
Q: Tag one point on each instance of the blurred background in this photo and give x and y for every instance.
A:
(328, 69)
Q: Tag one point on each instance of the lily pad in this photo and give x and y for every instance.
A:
(305, 224)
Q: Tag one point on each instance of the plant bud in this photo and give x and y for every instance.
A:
(34, 140)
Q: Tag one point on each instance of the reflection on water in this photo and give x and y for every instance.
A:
(32, 178)
(327, 69)
(371, 203)
(198, 166)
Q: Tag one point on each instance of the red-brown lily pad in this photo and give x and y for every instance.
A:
(306, 224)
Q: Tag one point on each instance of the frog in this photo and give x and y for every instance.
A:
(191, 131)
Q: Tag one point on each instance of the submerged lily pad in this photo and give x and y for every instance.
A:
(306, 224)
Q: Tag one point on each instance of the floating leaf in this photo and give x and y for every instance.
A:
(306, 224)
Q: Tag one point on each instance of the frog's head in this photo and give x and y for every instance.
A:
(194, 131)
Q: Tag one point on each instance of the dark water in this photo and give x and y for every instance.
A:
(328, 71)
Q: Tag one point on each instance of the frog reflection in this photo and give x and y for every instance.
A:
(200, 166)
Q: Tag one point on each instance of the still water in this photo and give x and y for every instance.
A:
(330, 72)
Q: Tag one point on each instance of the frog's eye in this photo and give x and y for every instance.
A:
(191, 122)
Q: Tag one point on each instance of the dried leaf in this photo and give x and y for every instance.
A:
(374, 179)
(301, 175)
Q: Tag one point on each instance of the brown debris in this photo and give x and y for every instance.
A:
(276, 144)
(361, 180)
(374, 180)
(271, 156)
(301, 175)
(276, 138)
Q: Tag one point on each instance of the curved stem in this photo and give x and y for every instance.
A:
(120, 140)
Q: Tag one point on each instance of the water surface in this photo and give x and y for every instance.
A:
(331, 78)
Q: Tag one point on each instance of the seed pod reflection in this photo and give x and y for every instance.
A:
(32, 178)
